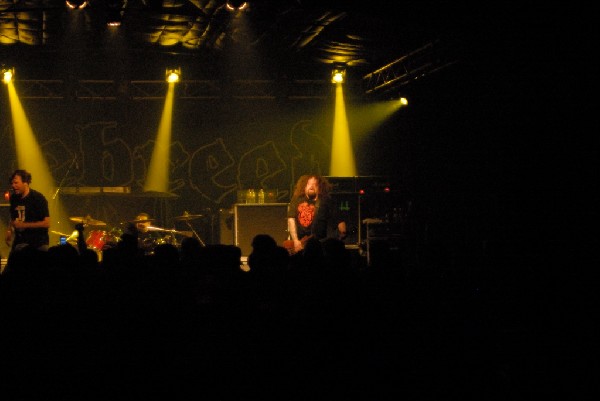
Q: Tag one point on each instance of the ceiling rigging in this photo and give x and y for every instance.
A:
(295, 39)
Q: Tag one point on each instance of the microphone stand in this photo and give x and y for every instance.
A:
(60, 184)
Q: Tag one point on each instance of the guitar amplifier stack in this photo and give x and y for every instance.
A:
(352, 197)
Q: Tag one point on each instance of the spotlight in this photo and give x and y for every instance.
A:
(173, 75)
(236, 5)
(338, 74)
(114, 12)
(403, 101)
(76, 4)
(7, 75)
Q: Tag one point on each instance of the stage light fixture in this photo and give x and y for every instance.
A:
(114, 12)
(7, 75)
(76, 4)
(236, 5)
(338, 74)
(403, 101)
(173, 75)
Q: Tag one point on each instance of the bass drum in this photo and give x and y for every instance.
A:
(96, 240)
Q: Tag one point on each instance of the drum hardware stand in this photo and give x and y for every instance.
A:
(213, 217)
(195, 233)
(187, 217)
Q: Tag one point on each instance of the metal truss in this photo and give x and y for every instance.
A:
(402, 71)
(41, 89)
(156, 90)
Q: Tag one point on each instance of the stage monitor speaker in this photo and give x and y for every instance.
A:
(253, 218)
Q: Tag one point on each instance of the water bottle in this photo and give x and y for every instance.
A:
(261, 196)
(251, 196)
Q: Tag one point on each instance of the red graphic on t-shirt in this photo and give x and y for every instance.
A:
(306, 214)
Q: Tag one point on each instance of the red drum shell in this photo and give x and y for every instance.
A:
(97, 239)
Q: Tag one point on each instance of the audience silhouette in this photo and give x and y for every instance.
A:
(195, 319)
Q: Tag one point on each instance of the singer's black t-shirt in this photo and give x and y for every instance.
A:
(33, 207)
(311, 216)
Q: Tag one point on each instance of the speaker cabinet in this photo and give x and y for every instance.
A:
(253, 218)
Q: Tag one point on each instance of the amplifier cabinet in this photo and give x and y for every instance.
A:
(251, 219)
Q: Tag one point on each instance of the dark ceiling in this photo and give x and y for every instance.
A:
(296, 39)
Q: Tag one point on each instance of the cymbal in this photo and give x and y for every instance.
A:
(87, 220)
(186, 216)
(142, 221)
(166, 230)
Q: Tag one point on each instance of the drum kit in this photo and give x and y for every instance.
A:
(99, 238)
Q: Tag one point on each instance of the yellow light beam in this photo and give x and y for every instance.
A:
(342, 155)
(157, 178)
(368, 118)
(30, 157)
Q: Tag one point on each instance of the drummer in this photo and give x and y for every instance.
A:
(147, 238)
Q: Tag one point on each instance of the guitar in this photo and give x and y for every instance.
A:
(289, 244)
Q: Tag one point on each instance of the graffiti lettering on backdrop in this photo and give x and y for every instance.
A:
(103, 158)
(106, 158)
(62, 161)
(206, 164)
(311, 150)
(178, 163)
(99, 154)
(260, 165)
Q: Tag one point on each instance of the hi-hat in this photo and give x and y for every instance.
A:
(186, 216)
(87, 220)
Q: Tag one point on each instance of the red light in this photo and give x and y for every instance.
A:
(386, 189)
(7, 195)
(361, 191)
